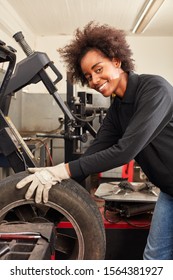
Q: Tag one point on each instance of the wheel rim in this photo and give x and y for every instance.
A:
(70, 243)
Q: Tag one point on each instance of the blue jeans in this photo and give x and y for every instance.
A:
(160, 239)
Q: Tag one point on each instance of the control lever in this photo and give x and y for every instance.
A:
(24, 45)
(149, 188)
(20, 235)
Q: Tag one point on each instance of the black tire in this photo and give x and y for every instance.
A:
(67, 201)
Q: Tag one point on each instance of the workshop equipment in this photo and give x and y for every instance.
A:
(27, 241)
(78, 115)
(127, 199)
(64, 198)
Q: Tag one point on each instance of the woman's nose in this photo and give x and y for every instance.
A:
(95, 79)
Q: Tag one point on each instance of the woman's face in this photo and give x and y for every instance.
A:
(102, 74)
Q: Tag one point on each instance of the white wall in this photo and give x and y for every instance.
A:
(151, 54)
(11, 23)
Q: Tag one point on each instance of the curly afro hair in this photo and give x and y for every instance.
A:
(109, 40)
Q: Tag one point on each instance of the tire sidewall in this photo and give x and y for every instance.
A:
(70, 196)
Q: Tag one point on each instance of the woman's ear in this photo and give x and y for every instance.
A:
(116, 62)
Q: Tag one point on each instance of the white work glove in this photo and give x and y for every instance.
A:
(42, 180)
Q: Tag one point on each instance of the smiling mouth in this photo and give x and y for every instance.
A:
(101, 88)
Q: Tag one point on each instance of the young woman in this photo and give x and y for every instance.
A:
(138, 125)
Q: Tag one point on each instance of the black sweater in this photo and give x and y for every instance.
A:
(139, 126)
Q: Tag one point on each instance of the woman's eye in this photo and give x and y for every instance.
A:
(98, 70)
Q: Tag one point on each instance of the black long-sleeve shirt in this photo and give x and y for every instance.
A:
(139, 126)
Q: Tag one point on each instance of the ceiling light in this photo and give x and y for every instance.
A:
(146, 15)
